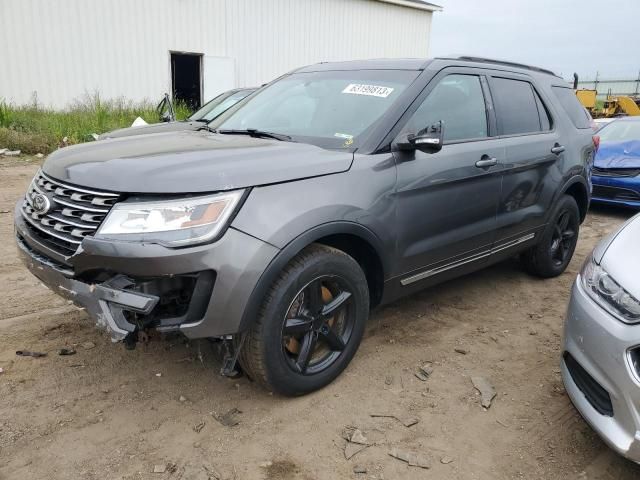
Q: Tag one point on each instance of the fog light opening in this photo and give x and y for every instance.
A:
(634, 362)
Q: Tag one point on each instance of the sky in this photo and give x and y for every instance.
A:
(566, 36)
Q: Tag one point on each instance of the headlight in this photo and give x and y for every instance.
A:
(172, 223)
(608, 293)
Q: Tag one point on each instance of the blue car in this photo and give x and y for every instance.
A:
(616, 170)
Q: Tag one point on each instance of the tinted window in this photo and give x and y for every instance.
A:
(516, 107)
(545, 118)
(219, 105)
(458, 101)
(572, 106)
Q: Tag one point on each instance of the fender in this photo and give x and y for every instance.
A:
(293, 248)
(575, 179)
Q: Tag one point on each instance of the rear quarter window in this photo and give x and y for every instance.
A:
(572, 106)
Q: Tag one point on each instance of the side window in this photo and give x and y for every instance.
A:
(225, 105)
(545, 118)
(458, 101)
(572, 106)
(516, 106)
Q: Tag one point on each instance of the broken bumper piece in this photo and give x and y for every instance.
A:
(203, 290)
(105, 302)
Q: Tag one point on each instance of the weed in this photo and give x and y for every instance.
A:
(33, 128)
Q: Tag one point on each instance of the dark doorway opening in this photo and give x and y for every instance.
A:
(186, 78)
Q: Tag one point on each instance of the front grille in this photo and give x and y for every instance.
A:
(616, 172)
(597, 396)
(615, 193)
(74, 213)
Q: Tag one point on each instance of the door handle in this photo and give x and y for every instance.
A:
(486, 161)
(557, 149)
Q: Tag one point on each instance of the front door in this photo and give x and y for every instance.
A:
(447, 201)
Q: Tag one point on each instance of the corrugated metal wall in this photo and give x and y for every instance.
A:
(120, 48)
(64, 49)
(270, 37)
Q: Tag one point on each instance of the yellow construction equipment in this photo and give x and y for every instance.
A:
(619, 105)
(613, 106)
(588, 99)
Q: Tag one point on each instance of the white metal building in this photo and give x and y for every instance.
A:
(139, 49)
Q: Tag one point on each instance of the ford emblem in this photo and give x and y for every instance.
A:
(40, 203)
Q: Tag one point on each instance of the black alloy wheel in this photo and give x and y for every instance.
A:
(310, 323)
(562, 240)
(317, 325)
(551, 255)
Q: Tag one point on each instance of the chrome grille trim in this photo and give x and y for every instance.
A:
(48, 231)
(75, 213)
(60, 218)
(77, 189)
(82, 207)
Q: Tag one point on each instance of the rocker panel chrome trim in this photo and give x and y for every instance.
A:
(473, 258)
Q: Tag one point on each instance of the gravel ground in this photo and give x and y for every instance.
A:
(108, 413)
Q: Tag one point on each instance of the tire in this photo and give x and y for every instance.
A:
(292, 350)
(552, 254)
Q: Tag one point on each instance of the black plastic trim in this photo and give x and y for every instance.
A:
(565, 188)
(293, 248)
(595, 394)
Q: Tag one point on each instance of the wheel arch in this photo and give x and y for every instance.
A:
(352, 238)
(577, 188)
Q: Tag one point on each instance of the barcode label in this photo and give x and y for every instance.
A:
(371, 90)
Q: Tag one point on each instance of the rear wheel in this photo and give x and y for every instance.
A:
(310, 324)
(551, 256)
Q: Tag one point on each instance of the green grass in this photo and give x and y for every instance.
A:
(35, 129)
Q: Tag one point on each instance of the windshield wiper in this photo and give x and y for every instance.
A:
(205, 127)
(253, 132)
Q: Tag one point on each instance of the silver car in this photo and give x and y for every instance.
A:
(601, 357)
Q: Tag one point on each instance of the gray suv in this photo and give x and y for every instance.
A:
(334, 189)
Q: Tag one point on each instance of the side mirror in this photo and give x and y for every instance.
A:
(427, 140)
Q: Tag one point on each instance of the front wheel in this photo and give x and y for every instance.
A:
(552, 254)
(310, 324)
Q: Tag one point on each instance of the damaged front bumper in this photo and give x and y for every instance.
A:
(105, 302)
(199, 291)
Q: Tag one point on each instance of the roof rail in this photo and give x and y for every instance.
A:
(470, 58)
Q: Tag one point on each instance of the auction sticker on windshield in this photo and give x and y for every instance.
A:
(372, 90)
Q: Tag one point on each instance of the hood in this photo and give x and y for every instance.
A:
(152, 128)
(622, 257)
(618, 154)
(190, 162)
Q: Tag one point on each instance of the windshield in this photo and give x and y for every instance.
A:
(620, 131)
(331, 109)
(219, 105)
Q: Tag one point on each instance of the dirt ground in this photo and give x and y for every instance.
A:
(107, 413)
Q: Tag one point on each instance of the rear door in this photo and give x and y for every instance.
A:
(533, 153)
